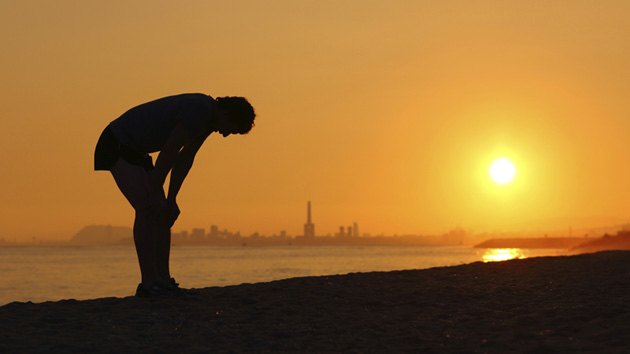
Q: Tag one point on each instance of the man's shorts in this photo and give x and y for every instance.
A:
(109, 150)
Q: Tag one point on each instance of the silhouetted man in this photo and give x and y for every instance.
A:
(176, 126)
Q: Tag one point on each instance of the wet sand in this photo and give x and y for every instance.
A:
(548, 304)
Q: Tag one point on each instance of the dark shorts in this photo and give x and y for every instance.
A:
(109, 150)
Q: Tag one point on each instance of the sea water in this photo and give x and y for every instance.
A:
(54, 273)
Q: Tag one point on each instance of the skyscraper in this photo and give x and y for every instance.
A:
(309, 227)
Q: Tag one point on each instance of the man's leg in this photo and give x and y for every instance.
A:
(133, 182)
(163, 247)
(163, 250)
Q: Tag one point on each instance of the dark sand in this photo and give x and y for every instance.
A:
(550, 304)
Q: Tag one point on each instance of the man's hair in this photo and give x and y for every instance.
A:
(239, 111)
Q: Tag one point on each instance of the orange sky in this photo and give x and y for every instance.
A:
(386, 113)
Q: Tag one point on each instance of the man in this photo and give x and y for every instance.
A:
(176, 126)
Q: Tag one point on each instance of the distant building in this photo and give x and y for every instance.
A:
(198, 235)
(309, 227)
(182, 236)
(214, 232)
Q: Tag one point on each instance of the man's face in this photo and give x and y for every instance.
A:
(225, 127)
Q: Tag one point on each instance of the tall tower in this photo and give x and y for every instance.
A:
(309, 227)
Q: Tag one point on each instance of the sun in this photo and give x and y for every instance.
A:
(502, 171)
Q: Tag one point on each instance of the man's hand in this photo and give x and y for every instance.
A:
(173, 212)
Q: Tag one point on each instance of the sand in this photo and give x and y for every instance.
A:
(549, 304)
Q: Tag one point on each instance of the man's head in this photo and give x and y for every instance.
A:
(239, 114)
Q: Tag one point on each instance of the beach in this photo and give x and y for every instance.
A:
(548, 304)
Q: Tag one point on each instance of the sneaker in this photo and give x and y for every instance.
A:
(173, 286)
(143, 292)
(157, 290)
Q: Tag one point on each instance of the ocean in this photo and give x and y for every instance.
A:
(40, 274)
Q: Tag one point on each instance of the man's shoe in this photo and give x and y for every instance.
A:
(143, 292)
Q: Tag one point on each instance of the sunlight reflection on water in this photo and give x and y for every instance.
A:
(503, 254)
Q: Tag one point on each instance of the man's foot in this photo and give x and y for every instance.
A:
(154, 291)
(173, 286)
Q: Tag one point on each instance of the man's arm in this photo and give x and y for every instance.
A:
(182, 165)
(176, 157)
(168, 156)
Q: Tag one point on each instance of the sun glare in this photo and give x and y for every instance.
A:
(502, 171)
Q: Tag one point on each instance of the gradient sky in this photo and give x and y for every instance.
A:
(384, 113)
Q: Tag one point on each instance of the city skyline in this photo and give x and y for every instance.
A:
(198, 233)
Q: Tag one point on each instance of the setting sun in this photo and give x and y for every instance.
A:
(502, 171)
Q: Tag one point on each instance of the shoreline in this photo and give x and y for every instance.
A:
(559, 304)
